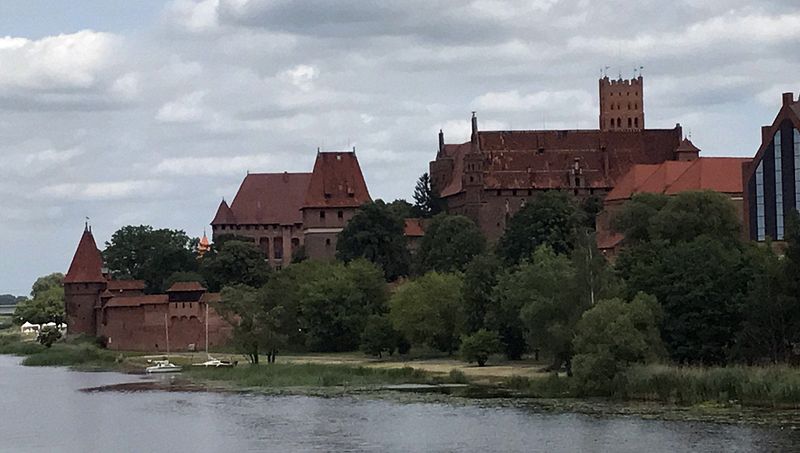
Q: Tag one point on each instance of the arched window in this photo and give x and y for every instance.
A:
(630, 123)
(619, 122)
(636, 122)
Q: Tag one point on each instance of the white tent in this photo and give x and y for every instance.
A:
(29, 328)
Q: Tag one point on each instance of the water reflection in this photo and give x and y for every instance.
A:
(43, 410)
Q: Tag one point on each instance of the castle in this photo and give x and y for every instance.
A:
(490, 177)
(283, 212)
(119, 312)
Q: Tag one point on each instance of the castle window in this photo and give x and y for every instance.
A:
(277, 248)
(530, 192)
(619, 122)
(340, 214)
(636, 122)
(514, 192)
(321, 214)
(778, 185)
(499, 192)
(629, 105)
(630, 123)
(327, 242)
(760, 231)
(612, 106)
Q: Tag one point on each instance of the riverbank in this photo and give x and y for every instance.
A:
(760, 395)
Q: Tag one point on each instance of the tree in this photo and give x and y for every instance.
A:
(612, 335)
(480, 278)
(233, 263)
(183, 276)
(379, 336)
(401, 209)
(551, 218)
(450, 242)
(701, 286)
(49, 335)
(771, 324)
(426, 203)
(546, 291)
(259, 323)
(429, 310)
(479, 346)
(46, 303)
(144, 253)
(375, 234)
(336, 301)
(634, 219)
(697, 213)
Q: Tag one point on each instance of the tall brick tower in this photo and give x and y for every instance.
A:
(621, 104)
(82, 286)
(472, 178)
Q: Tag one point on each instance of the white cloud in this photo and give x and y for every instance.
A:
(302, 76)
(512, 101)
(63, 61)
(52, 156)
(103, 191)
(207, 166)
(193, 15)
(187, 109)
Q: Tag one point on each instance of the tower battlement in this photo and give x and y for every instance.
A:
(621, 104)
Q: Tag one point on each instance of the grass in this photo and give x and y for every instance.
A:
(284, 375)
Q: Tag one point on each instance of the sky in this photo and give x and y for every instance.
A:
(150, 112)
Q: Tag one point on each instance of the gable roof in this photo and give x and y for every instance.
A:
(224, 215)
(414, 227)
(336, 181)
(789, 111)
(269, 198)
(87, 263)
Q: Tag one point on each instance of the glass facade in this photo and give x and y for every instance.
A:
(778, 185)
(796, 168)
(760, 202)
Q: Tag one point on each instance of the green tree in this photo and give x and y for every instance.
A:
(701, 286)
(46, 303)
(449, 244)
(697, 213)
(379, 336)
(546, 291)
(376, 234)
(401, 209)
(792, 255)
(634, 219)
(551, 218)
(260, 323)
(144, 253)
(426, 203)
(183, 276)
(429, 310)
(478, 346)
(336, 302)
(49, 335)
(480, 278)
(612, 335)
(236, 262)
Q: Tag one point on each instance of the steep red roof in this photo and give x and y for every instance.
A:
(336, 181)
(224, 215)
(544, 159)
(87, 264)
(179, 287)
(414, 228)
(628, 184)
(268, 198)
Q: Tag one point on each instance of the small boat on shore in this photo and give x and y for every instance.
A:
(163, 366)
(216, 363)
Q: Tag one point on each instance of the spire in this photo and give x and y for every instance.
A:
(224, 215)
(441, 141)
(87, 264)
(474, 138)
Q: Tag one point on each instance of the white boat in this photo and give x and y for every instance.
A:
(216, 363)
(163, 366)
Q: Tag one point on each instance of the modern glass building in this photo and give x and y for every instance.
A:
(772, 180)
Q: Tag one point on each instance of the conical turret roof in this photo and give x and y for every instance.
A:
(224, 215)
(87, 264)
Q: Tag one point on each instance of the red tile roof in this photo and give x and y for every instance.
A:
(414, 228)
(179, 287)
(336, 181)
(87, 264)
(720, 174)
(224, 215)
(544, 159)
(266, 198)
(137, 301)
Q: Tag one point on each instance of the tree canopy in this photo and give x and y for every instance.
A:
(46, 303)
(426, 203)
(376, 234)
(235, 262)
(449, 244)
(152, 255)
(551, 218)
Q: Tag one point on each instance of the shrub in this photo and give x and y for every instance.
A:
(48, 336)
(478, 346)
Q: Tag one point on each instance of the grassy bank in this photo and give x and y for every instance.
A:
(284, 375)
(79, 353)
(771, 386)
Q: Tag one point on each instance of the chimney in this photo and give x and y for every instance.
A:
(788, 99)
(441, 141)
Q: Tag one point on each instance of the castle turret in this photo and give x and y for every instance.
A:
(82, 286)
(473, 175)
(621, 104)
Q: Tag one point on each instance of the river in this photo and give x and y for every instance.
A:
(44, 410)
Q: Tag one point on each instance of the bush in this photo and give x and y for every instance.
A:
(48, 336)
(478, 346)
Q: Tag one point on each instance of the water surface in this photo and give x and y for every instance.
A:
(43, 410)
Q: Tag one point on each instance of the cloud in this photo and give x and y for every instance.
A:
(206, 166)
(187, 109)
(103, 191)
(302, 76)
